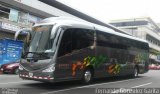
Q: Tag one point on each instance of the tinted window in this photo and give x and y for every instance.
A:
(108, 40)
(82, 38)
(66, 43)
(75, 39)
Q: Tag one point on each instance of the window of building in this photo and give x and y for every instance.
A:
(153, 40)
(33, 19)
(17, 16)
(4, 12)
(130, 23)
(23, 17)
(13, 16)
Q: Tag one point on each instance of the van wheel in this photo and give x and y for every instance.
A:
(16, 71)
(87, 76)
(135, 74)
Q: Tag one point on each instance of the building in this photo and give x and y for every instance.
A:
(144, 28)
(83, 16)
(18, 14)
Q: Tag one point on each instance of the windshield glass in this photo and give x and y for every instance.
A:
(41, 41)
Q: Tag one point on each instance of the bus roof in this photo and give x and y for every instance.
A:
(111, 31)
(68, 21)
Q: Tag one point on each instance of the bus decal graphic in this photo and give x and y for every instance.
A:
(139, 58)
(75, 66)
(94, 61)
(114, 69)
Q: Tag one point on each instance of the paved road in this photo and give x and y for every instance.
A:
(12, 83)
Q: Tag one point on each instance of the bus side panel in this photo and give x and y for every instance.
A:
(112, 56)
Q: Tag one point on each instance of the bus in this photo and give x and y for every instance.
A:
(63, 49)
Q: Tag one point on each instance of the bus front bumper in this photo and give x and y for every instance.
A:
(36, 76)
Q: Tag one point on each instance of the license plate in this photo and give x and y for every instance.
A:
(30, 74)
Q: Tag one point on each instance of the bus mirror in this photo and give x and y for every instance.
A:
(22, 31)
(25, 36)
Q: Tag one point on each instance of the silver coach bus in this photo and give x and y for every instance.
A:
(63, 49)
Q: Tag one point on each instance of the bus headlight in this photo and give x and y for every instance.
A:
(51, 68)
(20, 67)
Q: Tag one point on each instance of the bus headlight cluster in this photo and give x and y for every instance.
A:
(20, 67)
(49, 69)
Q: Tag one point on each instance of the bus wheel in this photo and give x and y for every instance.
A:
(87, 76)
(135, 72)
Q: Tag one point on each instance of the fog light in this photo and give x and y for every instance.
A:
(20, 67)
(49, 69)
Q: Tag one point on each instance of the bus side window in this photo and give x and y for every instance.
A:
(66, 43)
(75, 39)
(82, 38)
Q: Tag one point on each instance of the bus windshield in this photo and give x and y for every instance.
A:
(41, 41)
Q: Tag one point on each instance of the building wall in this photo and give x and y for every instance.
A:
(18, 14)
(36, 7)
(46, 8)
(143, 28)
(142, 32)
(6, 35)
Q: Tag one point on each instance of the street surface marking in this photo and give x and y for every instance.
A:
(90, 86)
(142, 85)
(13, 82)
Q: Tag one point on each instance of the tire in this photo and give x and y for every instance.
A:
(135, 74)
(16, 71)
(87, 76)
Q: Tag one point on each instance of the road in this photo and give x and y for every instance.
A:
(12, 83)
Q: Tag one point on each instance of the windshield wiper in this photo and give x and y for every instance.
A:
(33, 55)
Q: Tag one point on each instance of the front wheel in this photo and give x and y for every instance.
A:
(87, 76)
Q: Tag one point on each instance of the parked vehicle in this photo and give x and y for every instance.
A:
(154, 67)
(10, 68)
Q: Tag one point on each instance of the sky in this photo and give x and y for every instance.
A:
(107, 10)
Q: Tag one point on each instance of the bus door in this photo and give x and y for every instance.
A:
(64, 57)
(83, 50)
(74, 48)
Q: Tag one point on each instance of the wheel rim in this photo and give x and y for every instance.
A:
(87, 76)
